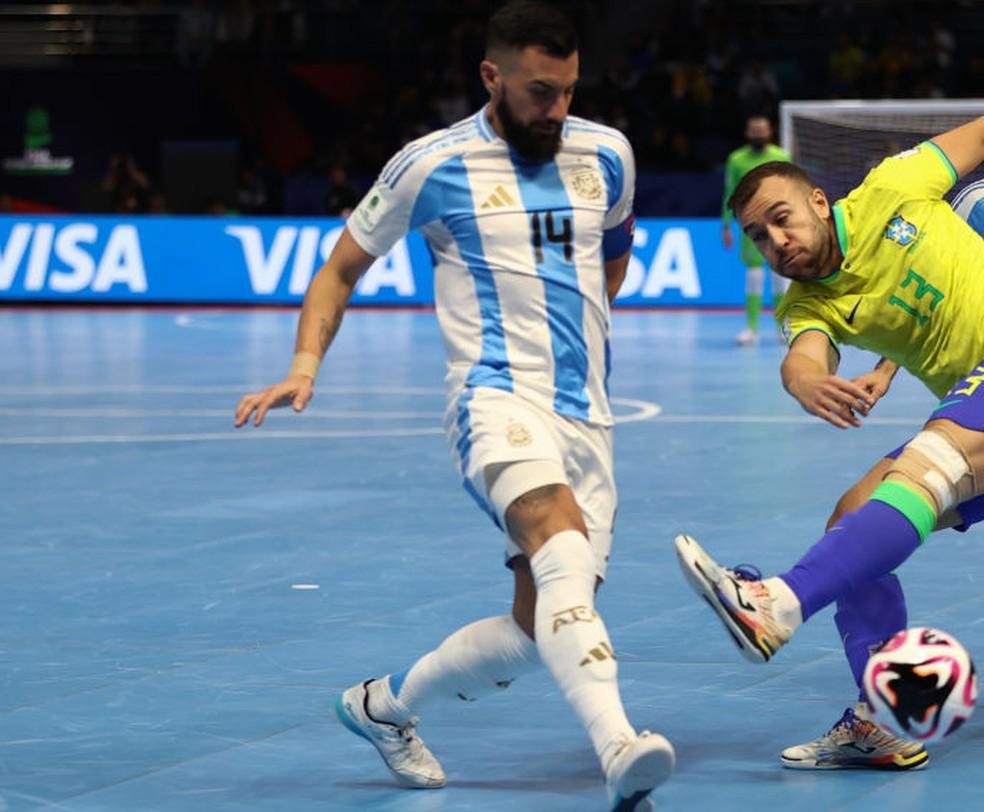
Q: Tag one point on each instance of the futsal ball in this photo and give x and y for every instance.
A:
(921, 685)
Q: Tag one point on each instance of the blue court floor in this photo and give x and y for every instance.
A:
(180, 602)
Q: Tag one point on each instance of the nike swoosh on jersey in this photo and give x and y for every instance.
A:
(850, 318)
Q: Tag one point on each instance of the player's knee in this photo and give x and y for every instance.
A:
(534, 501)
(936, 466)
(851, 500)
(541, 513)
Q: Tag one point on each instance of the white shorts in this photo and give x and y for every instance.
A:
(488, 426)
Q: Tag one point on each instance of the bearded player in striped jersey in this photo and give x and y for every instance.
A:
(528, 215)
(893, 269)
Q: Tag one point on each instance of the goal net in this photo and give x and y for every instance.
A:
(837, 142)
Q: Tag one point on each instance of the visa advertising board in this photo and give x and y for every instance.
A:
(209, 260)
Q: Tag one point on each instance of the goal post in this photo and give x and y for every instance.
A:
(837, 142)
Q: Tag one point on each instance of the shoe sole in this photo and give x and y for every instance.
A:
(346, 719)
(689, 554)
(646, 773)
(888, 766)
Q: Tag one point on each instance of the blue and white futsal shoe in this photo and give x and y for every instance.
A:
(638, 766)
(400, 746)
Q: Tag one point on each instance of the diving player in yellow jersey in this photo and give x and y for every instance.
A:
(904, 253)
(893, 269)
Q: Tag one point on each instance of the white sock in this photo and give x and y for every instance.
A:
(787, 606)
(478, 659)
(573, 642)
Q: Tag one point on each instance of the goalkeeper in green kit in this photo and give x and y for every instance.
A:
(757, 150)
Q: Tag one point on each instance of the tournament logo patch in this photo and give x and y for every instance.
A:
(587, 183)
(517, 435)
(372, 208)
(900, 231)
(787, 331)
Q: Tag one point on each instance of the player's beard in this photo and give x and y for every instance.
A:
(823, 253)
(828, 256)
(758, 144)
(538, 141)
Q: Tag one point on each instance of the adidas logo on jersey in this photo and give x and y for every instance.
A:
(499, 198)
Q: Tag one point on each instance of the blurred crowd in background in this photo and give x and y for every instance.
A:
(290, 107)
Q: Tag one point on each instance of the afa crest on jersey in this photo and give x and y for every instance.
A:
(587, 183)
(901, 231)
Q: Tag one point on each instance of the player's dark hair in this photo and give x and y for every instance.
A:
(749, 184)
(521, 23)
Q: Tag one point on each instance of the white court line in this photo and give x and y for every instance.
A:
(261, 434)
(804, 419)
(646, 411)
(191, 389)
(264, 434)
(136, 413)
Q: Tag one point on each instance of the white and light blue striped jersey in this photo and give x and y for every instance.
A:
(969, 204)
(519, 251)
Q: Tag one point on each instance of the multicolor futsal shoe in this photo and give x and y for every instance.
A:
(638, 766)
(738, 596)
(855, 743)
(401, 748)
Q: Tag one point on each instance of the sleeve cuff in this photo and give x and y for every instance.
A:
(616, 241)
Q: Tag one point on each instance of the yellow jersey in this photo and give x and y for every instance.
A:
(911, 284)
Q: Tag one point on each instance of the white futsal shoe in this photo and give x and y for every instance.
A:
(401, 748)
(638, 766)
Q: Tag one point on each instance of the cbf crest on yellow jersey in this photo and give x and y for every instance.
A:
(911, 284)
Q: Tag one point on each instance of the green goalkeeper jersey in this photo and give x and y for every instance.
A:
(740, 162)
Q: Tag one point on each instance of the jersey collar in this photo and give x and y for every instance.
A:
(485, 126)
(840, 226)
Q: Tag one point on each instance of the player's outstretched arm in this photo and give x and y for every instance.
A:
(964, 146)
(321, 316)
(877, 382)
(808, 375)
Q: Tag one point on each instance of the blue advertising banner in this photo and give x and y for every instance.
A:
(209, 260)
